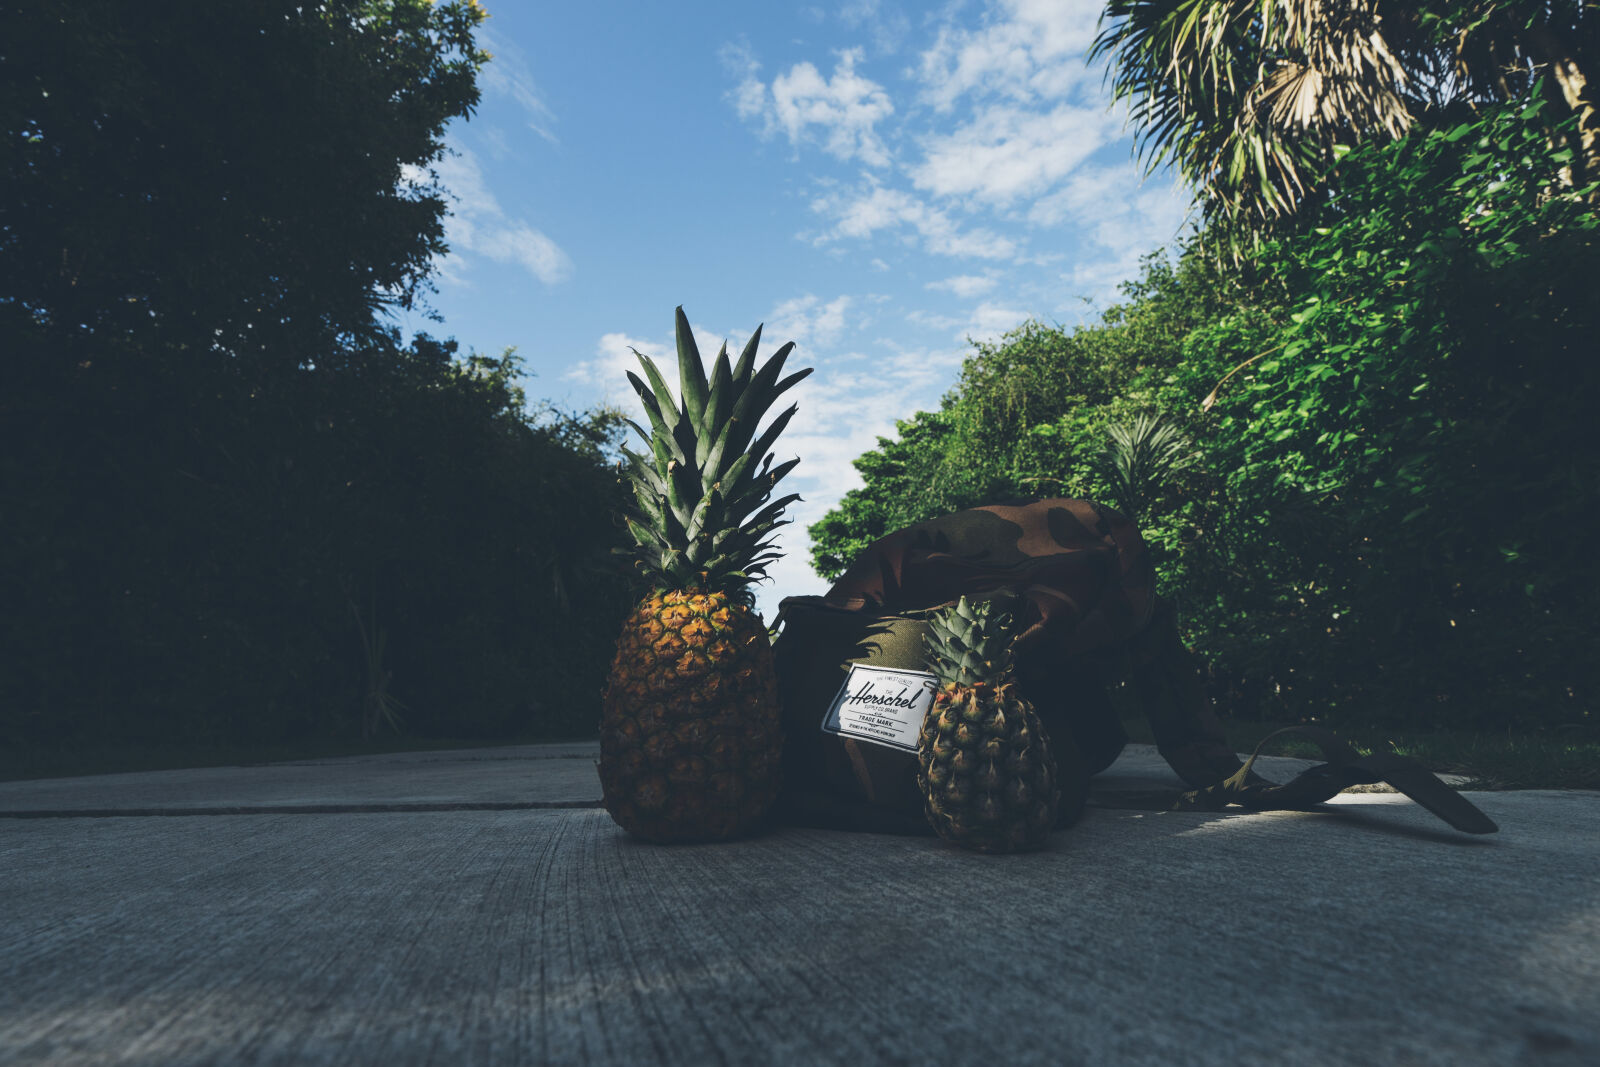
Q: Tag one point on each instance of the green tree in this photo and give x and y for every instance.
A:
(1408, 420)
(1254, 101)
(224, 177)
(1387, 514)
(1141, 458)
(1028, 417)
(238, 508)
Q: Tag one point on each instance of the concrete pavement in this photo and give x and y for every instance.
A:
(472, 908)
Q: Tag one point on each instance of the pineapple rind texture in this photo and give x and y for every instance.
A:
(690, 741)
(985, 769)
(984, 764)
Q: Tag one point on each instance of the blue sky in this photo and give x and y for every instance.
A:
(877, 182)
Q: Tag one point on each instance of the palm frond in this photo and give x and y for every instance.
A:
(1248, 98)
(1139, 459)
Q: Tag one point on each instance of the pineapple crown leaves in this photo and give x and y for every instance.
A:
(703, 490)
(969, 643)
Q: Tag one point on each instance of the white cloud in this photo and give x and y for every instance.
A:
(862, 216)
(989, 320)
(1005, 152)
(855, 398)
(614, 358)
(1089, 192)
(842, 112)
(952, 324)
(941, 236)
(807, 321)
(749, 97)
(494, 138)
(507, 75)
(887, 23)
(964, 285)
(1027, 50)
(1122, 217)
(478, 224)
(881, 208)
(511, 241)
(986, 322)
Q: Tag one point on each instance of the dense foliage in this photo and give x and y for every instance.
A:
(234, 505)
(1254, 101)
(224, 176)
(1393, 482)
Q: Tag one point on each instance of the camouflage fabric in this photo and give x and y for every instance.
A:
(1082, 569)
(1086, 598)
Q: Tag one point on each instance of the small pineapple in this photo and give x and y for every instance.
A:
(984, 764)
(690, 738)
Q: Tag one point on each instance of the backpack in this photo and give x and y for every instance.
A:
(1082, 588)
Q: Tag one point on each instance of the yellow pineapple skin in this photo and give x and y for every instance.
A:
(691, 743)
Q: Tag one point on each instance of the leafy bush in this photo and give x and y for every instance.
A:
(234, 507)
(1388, 515)
(1420, 406)
(190, 559)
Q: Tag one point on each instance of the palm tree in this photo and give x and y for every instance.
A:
(1140, 458)
(1253, 100)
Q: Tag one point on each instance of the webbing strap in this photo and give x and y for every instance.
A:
(1345, 767)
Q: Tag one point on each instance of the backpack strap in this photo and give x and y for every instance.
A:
(1344, 768)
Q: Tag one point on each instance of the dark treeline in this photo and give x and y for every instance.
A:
(235, 507)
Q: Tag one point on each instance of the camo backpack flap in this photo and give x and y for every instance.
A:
(1082, 571)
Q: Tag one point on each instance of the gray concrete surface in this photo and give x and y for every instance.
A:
(390, 910)
(559, 775)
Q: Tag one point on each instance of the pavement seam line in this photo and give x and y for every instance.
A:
(294, 809)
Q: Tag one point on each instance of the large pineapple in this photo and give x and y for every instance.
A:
(984, 764)
(690, 740)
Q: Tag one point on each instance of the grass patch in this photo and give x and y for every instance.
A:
(19, 764)
(1556, 760)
